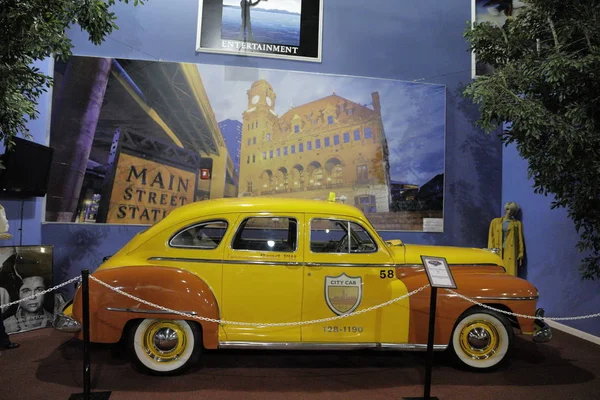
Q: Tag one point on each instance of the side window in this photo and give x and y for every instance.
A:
(267, 234)
(205, 235)
(339, 236)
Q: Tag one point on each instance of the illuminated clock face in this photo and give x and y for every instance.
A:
(269, 101)
(255, 99)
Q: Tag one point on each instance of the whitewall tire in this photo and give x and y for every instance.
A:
(482, 339)
(164, 346)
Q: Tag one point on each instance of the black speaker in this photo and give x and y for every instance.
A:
(27, 169)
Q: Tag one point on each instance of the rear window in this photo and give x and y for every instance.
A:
(205, 235)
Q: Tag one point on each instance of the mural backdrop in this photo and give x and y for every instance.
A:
(135, 139)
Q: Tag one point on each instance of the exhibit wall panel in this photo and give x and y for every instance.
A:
(76, 249)
(551, 256)
(377, 39)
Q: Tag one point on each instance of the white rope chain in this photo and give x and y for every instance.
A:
(332, 318)
(224, 322)
(33, 296)
(521, 315)
(316, 321)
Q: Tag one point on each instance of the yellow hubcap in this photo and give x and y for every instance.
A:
(479, 340)
(164, 341)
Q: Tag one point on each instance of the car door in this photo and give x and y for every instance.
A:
(349, 268)
(263, 277)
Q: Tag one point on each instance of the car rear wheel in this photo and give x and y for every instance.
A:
(164, 346)
(482, 339)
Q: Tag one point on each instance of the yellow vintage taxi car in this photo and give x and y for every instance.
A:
(272, 273)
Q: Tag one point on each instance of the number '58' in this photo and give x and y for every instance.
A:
(386, 273)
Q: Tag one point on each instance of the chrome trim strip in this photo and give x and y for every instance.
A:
(505, 298)
(350, 265)
(296, 264)
(212, 261)
(326, 346)
(288, 263)
(141, 311)
(452, 265)
(411, 347)
(254, 262)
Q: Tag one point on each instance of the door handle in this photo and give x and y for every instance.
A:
(314, 265)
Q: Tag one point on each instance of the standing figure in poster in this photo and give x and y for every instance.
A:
(246, 26)
(506, 234)
(5, 342)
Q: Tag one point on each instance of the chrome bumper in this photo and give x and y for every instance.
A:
(65, 324)
(543, 332)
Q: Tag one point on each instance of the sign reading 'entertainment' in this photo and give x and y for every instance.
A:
(289, 29)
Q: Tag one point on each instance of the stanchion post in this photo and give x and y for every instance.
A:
(85, 296)
(85, 316)
(439, 275)
(429, 367)
(430, 338)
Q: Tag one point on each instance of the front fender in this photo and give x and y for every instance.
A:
(488, 285)
(172, 288)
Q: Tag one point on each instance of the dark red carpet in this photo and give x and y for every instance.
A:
(48, 366)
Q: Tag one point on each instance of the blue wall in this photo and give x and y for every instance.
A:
(378, 38)
(552, 259)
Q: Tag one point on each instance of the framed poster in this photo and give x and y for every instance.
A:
(495, 12)
(26, 271)
(289, 29)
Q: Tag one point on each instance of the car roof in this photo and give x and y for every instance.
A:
(262, 204)
(207, 208)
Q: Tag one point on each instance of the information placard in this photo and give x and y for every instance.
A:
(438, 272)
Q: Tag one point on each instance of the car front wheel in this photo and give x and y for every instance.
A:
(164, 346)
(482, 339)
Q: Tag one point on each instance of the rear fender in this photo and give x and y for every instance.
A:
(168, 287)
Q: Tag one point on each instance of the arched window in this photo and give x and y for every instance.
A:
(204, 235)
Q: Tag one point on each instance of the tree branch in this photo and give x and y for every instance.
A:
(554, 35)
(587, 39)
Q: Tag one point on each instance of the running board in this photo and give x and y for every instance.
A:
(328, 346)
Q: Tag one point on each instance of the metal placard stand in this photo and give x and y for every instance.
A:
(439, 276)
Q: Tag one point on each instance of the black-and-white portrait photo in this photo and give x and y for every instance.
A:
(25, 273)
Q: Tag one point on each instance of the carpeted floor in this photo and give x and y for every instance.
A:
(48, 365)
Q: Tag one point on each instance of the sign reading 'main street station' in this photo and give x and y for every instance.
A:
(145, 191)
(146, 179)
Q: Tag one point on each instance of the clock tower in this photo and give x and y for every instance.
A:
(261, 94)
(259, 130)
